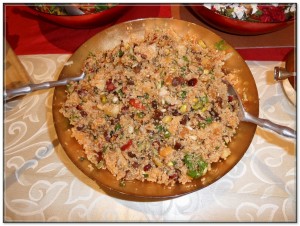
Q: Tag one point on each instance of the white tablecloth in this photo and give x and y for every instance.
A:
(38, 187)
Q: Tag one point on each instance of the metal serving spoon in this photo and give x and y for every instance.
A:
(264, 123)
(11, 93)
(73, 10)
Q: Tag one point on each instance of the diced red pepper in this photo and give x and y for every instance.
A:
(110, 86)
(126, 146)
(136, 104)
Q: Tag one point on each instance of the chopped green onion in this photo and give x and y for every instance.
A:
(185, 58)
(120, 53)
(195, 164)
(117, 127)
(221, 45)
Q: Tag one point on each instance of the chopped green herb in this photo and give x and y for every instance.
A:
(183, 94)
(201, 125)
(120, 93)
(160, 128)
(163, 130)
(146, 96)
(141, 114)
(122, 183)
(195, 164)
(167, 133)
(117, 127)
(120, 53)
(185, 58)
(209, 120)
(221, 45)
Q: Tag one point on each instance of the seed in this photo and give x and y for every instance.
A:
(183, 108)
(167, 119)
(103, 99)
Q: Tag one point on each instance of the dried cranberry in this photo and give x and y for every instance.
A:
(131, 155)
(156, 144)
(82, 92)
(147, 167)
(199, 117)
(154, 104)
(192, 82)
(137, 69)
(79, 128)
(184, 120)
(79, 107)
(110, 86)
(173, 176)
(135, 165)
(83, 113)
(158, 115)
(219, 101)
(175, 112)
(230, 98)
(177, 146)
(106, 136)
(144, 56)
(178, 81)
(124, 108)
(130, 82)
(214, 114)
(99, 156)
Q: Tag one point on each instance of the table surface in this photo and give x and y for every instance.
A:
(40, 183)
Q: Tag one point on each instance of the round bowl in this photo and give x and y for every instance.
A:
(86, 20)
(138, 190)
(237, 27)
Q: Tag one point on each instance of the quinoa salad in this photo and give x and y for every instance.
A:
(154, 109)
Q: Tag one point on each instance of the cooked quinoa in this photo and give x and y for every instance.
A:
(154, 109)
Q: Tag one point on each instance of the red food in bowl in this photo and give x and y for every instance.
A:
(84, 21)
(235, 26)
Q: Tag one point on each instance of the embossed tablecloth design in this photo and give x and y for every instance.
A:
(39, 187)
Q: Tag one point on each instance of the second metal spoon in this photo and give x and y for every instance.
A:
(264, 123)
(11, 93)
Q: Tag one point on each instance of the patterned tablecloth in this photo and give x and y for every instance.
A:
(39, 187)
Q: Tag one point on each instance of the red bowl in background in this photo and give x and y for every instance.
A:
(237, 27)
(86, 20)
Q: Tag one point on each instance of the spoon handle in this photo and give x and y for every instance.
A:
(281, 73)
(265, 123)
(11, 93)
